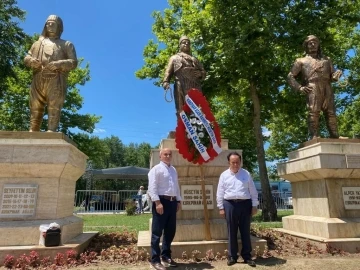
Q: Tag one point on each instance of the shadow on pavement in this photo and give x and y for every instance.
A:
(270, 261)
(194, 266)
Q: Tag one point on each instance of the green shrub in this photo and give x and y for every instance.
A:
(130, 207)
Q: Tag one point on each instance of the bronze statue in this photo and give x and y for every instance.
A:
(51, 59)
(187, 70)
(317, 72)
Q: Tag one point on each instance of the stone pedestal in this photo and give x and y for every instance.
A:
(190, 229)
(322, 174)
(38, 172)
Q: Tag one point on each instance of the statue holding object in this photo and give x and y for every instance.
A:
(51, 59)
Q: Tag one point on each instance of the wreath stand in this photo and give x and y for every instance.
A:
(206, 213)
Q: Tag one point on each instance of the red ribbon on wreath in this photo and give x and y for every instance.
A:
(184, 144)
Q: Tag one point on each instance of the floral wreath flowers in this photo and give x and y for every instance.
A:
(197, 134)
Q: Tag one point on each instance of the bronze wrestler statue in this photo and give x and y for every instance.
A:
(51, 59)
(187, 70)
(316, 72)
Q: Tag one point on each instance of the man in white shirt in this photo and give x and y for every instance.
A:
(237, 200)
(165, 193)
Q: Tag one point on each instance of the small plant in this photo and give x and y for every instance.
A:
(34, 259)
(22, 262)
(142, 254)
(209, 255)
(218, 256)
(71, 257)
(45, 262)
(184, 255)
(59, 259)
(87, 257)
(9, 261)
(195, 255)
(130, 207)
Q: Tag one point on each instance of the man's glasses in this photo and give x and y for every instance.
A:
(167, 155)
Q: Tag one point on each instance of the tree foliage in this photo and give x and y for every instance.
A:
(110, 152)
(11, 38)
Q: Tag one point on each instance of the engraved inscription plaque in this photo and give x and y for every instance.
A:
(351, 196)
(192, 197)
(353, 161)
(18, 200)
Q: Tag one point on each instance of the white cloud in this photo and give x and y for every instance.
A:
(99, 130)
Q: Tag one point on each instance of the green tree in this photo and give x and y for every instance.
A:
(143, 159)
(137, 155)
(11, 38)
(95, 148)
(117, 151)
(227, 109)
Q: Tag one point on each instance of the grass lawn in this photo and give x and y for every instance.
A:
(116, 222)
(121, 222)
(274, 224)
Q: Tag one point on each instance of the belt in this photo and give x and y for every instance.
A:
(237, 200)
(170, 198)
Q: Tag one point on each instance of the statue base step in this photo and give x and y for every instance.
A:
(25, 233)
(79, 243)
(178, 248)
(350, 245)
(327, 228)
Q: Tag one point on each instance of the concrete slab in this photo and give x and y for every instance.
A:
(350, 245)
(177, 248)
(78, 244)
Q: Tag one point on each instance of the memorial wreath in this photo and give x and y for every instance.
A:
(197, 134)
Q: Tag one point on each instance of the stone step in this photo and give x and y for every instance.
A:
(177, 248)
(78, 243)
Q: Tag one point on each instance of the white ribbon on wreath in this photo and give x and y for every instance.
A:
(198, 113)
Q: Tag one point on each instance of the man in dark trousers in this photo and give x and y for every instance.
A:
(165, 193)
(237, 200)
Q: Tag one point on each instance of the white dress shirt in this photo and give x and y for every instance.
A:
(233, 186)
(163, 180)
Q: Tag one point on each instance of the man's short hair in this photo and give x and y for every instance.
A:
(164, 149)
(233, 154)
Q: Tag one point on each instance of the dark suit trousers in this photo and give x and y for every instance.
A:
(238, 217)
(163, 223)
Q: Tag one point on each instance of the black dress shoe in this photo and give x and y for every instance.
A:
(250, 263)
(157, 266)
(169, 262)
(231, 261)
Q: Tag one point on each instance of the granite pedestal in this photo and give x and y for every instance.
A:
(38, 172)
(325, 179)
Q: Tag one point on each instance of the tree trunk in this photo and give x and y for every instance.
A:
(269, 212)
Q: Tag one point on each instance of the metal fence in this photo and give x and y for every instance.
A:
(87, 201)
(283, 200)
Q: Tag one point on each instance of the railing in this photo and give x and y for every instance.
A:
(283, 200)
(89, 201)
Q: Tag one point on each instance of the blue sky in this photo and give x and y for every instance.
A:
(111, 36)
